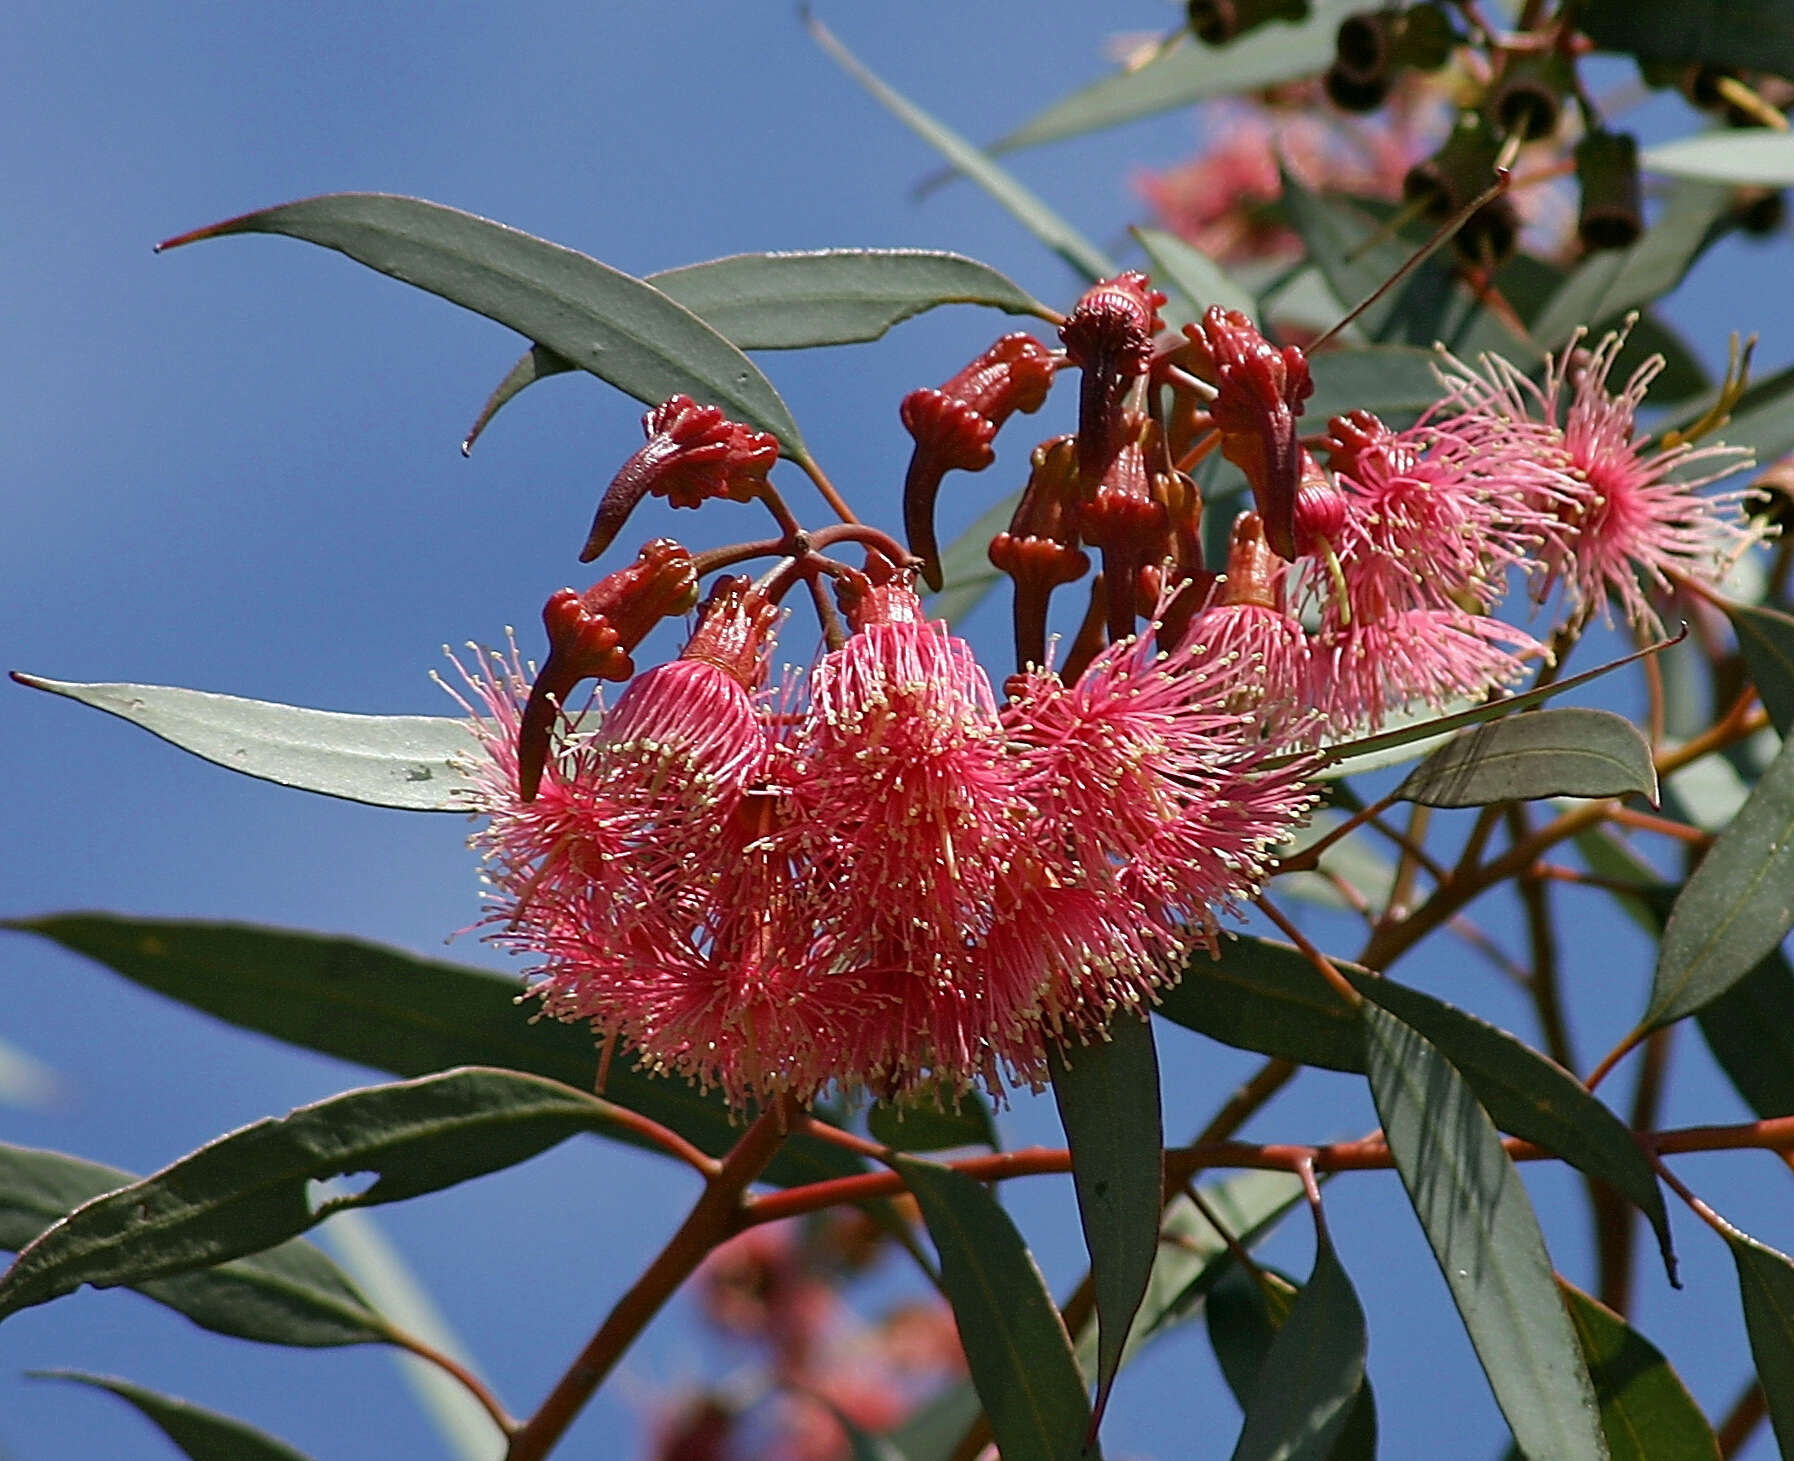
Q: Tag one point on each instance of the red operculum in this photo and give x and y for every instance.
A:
(1108, 336)
(590, 637)
(732, 631)
(693, 453)
(1260, 390)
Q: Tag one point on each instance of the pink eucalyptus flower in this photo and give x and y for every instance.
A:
(1626, 511)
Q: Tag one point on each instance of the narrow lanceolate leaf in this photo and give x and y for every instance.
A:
(1108, 1098)
(1531, 1096)
(791, 301)
(1564, 752)
(1265, 996)
(1482, 1230)
(411, 762)
(1736, 907)
(251, 1189)
(1191, 277)
(292, 1294)
(1313, 1374)
(1758, 156)
(1749, 35)
(1766, 638)
(930, 1125)
(1605, 285)
(797, 300)
(1397, 382)
(603, 320)
(1022, 205)
(1193, 1256)
(1189, 73)
(1647, 1413)
(384, 1008)
(201, 1434)
(1766, 1285)
(1750, 1030)
(1015, 1343)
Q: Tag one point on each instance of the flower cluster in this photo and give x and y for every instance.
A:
(884, 875)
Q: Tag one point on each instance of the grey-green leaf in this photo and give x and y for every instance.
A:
(1571, 751)
(1015, 1344)
(388, 1009)
(790, 301)
(930, 1125)
(291, 1294)
(1021, 204)
(1192, 279)
(1766, 639)
(1108, 1098)
(412, 762)
(1647, 1413)
(1189, 73)
(1751, 35)
(1606, 285)
(620, 329)
(201, 1434)
(1313, 1374)
(1482, 1230)
(1532, 1097)
(251, 1189)
(1766, 1285)
(1750, 1030)
(1736, 907)
(1397, 382)
(536, 363)
(1265, 996)
(1758, 156)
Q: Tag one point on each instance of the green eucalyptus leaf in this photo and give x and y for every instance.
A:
(1607, 284)
(291, 1294)
(1766, 639)
(251, 1189)
(1758, 156)
(1750, 1030)
(1357, 259)
(1397, 382)
(1750, 35)
(1021, 205)
(1766, 1286)
(1737, 906)
(412, 762)
(1532, 1097)
(1015, 1344)
(1265, 996)
(1193, 1256)
(602, 320)
(1608, 857)
(1192, 279)
(384, 1008)
(933, 1431)
(1354, 861)
(201, 1434)
(1311, 1380)
(1108, 1098)
(1188, 73)
(536, 363)
(791, 301)
(1647, 1413)
(930, 1125)
(1482, 1230)
(1569, 751)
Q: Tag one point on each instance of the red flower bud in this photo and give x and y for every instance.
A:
(1254, 572)
(955, 425)
(1320, 509)
(693, 453)
(1350, 437)
(590, 637)
(1260, 390)
(1108, 336)
(1040, 550)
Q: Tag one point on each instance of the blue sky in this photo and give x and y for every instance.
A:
(236, 468)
